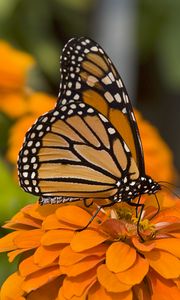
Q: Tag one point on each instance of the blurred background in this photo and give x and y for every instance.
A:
(141, 37)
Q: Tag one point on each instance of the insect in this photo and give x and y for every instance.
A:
(89, 145)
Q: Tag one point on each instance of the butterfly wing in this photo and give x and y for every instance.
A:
(74, 152)
(88, 75)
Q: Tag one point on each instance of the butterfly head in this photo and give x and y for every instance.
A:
(128, 190)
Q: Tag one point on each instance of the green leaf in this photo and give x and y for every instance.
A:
(12, 197)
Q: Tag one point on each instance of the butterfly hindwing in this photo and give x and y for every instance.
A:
(88, 75)
(74, 152)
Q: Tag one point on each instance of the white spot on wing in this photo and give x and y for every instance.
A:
(91, 80)
(106, 80)
(109, 97)
(111, 130)
(118, 97)
(126, 148)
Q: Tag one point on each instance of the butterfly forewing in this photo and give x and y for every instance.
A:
(73, 152)
(88, 75)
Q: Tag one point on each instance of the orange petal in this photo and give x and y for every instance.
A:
(82, 266)
(54, 237)
(142, 291)
(27, 266)
(47, 292)
(146, 246)
(40, 212)
(7, 242)
(70, 257)
(21, 218)
(177, 282)
(82, 297)
(51, 222)
(12, 286)
(162, 288)
(74, 215)
(167, 227)
(98, 292)
(12, 255)
(87, 239)
(39, 278)
(109, 280)
(76, 286)
(120, 257)
(46, 255)
(135, 273)
(164, 263)
(171, 245)
(28, 239)
(167, 215)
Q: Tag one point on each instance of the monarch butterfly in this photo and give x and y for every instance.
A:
(89, 144)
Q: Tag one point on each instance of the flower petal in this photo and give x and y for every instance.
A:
(40, 212)
(74, 215)
(142, 291)
(54, 237)
(70, 257)
(171, 245)
(75, 286)
(87, 239)
(98, 292)
(120, 257)
(48, 291)
(27, 266)
(39, 278)
(46, 255)
(164, 263)
(22, 219)
(12, 286)
(109, 280)
(28, 239)
(146, 246)
(165, 214)
(12, 255)
(162, 288)
(135, 273)
(84, 265)
(7, 242)
(52, 222)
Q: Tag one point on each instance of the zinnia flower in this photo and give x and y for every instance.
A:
(156, 150)
(106, 261)
(36, 103)
(14, 65)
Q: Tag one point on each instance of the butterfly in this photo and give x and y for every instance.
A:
(89, 145)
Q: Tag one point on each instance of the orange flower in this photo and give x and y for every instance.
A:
(14, 65)
(107, 260)
(34, 105)
(157, 154)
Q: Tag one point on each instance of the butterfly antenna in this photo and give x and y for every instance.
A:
(172, 184)
(166, 187)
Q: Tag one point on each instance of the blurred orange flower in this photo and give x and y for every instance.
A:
(14, 65)
(34, 105)
(107, 260)
(157, 154)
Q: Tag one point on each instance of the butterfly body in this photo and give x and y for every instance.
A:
(88, 146)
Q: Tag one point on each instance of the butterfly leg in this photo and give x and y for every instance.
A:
(139, 217)
(95, 214)
(158, 208)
